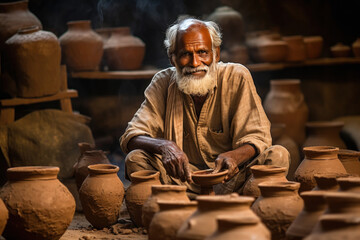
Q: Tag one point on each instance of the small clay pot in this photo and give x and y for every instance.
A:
(101, 195)
(343, 203)
(349, 184)
(313, 46)
(272, 51)
(296, 48)
(237, 53)
(171, 215)
(350, 160)
(263, 173)
(356, 47)
(139, 191)
(4, 215)
(206, 179)
(327, 181)
(340, 50)
(161, 192)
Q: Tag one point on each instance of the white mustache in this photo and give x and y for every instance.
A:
(189, 70)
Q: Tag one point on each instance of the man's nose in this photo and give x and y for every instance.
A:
(195, 62)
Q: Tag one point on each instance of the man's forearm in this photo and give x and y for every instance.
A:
(149, 144)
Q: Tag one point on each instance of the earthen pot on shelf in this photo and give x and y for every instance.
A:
(82, 47)
(237, 227)
(263, 173)
(171, 215)
(206, 180)
(327, 181)
(272, 51)
(139, 191)
(13, 16)
(350, 160)
(123, 51)
(314, 207)
(237, 53)
(296, 48)
(101, 195)
(340, 50)
(349, 184)
(37, 202)
(161, 192)
(285, 104)
(22, 75)
(324, 133)
(4, 215)
(278, 206)
(317, 160)
(313, 46)
(356, 47)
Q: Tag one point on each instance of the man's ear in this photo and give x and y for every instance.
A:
(217, 52)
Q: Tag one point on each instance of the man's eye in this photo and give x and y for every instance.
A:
(203, 52)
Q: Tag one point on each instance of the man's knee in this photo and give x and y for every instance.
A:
(276, 155)
(136, 160)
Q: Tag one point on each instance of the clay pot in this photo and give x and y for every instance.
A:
(324, 133)
(356, 47)
(237, 53)
(235, 227)
(139, 191)
(272, 51)
(161, 192)
(285, 104)
(4, 215)
(318, 160)
(88, 158)
(278, 206)
(328, 181)
(202, 223)
(37, 202)
(314, 207)
(340, 50)
(124, 51)
(296, 48)
(13, 16)
(171, 215)
(349, 184)
(101, 195)
(206, 180)
(313, 46)
(82, 48)
(24, 77)
(279, 137)
(350, 160)
(263, 173)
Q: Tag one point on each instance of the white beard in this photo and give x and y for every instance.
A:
(194, 85)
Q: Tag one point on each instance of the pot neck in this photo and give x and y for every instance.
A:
(79, 25)
(290, 85)
(279, 189)
(28, 30)
(146, 176)
(13, 6)
(226, 223)
(224, 202)
(166, 190)
(314, 200)
(120, 31)
(321, 153)
(103, 170)
(32, 173)
(343, 202)
(177, 205)
(351, 184)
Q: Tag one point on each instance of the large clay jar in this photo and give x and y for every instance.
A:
(82, 48)
(167, 221)
(278, 206)
(4, 215)
(356, 47)
(263, 173)
(350, 160)
(296, 48)
(349, 184)
(314, 207)
(13, 16)
(202, 223)
(161, 192)
(272, 51)
(318, 160)
(328, 181)
(285, 104)
(39, 205)
(31, 63)
(324, 133)
(88, 158)
(279, 137)
(340, 50)
(237, 227)
(139, 191)
(124, 51)
(101, 195)
(313, 46)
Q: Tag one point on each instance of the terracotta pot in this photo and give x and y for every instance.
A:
(272, 51)
(237, 53)
(318, 160)
(236, 227)
(285, 104)
(263, 173)
(101, 195)
(314, 207)
(161, 192)
(88, 158)
(171, 215)
(139, 191)
(206, 180)
(24, 77)
(350, 160)
(278, 206)
(37, 201)
(202, 223)
(4, 215)
(313, 46)
(340, 50)
(296, 48)
(82, 48)
(260, 45)
(279, 137)
(124, 51)
(328, 181)
(13, 16)
(349, 184)
(356, 47)
(324, 133)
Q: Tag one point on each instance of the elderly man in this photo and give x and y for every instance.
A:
(200, 114)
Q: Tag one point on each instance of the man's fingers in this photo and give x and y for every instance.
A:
(187, 172)
(218, 165)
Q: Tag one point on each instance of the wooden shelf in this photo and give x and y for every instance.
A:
(139, 74)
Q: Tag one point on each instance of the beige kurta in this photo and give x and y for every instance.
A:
(231, 116)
